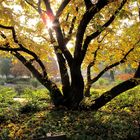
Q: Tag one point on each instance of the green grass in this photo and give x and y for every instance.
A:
(118, 120)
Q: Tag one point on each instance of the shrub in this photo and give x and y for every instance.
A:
(30, 107)
(125, 76)
(103, 81)
(10, 80)
(4, 134)
(2, 83)
(19, 89)
(2, 118)
(6, 95)
(34, 83)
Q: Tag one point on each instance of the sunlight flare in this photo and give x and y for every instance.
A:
(49, 24)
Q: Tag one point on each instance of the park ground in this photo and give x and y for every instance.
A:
(26, 113)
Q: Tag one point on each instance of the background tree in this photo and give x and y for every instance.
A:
(5, 65)
(18, 69)
(88, 26)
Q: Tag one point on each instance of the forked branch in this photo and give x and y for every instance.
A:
(123, 60)
(22, 48)
(98, 32)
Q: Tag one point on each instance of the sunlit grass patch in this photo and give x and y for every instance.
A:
(118, 120)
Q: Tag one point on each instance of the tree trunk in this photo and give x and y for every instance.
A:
(55, 93)
(77, 86)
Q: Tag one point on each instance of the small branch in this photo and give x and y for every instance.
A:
(48, 7)
(91, 64)
(3, 35)
(67, 17)
(13, 31)
(35, 7)
(71, 28)
(9, 49)
(123, 60)
(100, 40)
(39, 8)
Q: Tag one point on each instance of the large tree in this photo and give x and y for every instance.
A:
(73, 31)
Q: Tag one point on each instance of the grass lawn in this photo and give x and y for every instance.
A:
(36, 117)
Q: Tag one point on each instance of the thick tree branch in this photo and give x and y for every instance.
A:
(137, 73)
(115, 91)
(60, 38)
(59, 35)
(63, 68)
(91, 81)
(62, 7)
(62, 44)
(88, 4)
(98, 32)
(55, 93)
(52, 87)
(22, 48)
(83, 25)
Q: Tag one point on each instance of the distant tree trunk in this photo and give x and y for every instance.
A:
(112, 77)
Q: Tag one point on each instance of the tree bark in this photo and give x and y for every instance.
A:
(63, 73)
(87, 90)
(55, 93)
(112, 77)
(77, 86)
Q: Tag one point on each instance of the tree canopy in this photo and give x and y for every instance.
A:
(95, 36)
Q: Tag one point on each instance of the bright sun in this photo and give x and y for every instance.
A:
(49, 24)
